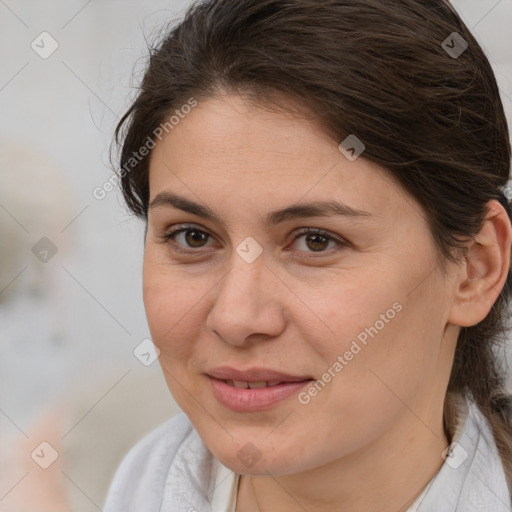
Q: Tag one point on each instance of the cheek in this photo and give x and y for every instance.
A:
(354, 309)
(366, 327)
(384, 363)
(171, 306)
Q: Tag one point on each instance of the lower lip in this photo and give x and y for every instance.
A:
(250, 400)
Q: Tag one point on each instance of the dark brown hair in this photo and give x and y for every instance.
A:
(379, 69)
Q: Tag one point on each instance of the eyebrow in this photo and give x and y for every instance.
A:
(296, 211)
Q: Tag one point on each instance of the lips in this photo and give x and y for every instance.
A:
(254, 389)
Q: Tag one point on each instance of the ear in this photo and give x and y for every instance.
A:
(484, 270)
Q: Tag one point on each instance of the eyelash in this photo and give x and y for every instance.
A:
(169, 238)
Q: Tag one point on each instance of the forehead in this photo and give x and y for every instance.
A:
(235, 152)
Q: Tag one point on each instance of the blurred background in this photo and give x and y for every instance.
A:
(78, 382)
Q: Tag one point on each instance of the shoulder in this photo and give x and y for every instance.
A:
(141, 476)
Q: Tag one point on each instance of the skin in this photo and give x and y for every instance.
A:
(359, 441)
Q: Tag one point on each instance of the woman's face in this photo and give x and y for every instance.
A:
(352, 320)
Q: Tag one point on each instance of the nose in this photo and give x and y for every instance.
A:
(247, 304)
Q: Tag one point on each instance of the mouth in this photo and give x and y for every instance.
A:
(261, 389)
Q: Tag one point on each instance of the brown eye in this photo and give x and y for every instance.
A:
(195, 238)
(186, 239)
(316, 242)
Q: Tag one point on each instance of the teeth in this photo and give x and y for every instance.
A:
(253, 385)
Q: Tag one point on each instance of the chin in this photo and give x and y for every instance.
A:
(248, 459)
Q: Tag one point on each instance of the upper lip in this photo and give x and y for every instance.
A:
(254, 375)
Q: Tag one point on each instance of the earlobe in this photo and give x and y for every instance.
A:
(484, 270)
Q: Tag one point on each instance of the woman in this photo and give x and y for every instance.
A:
(326, 266)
